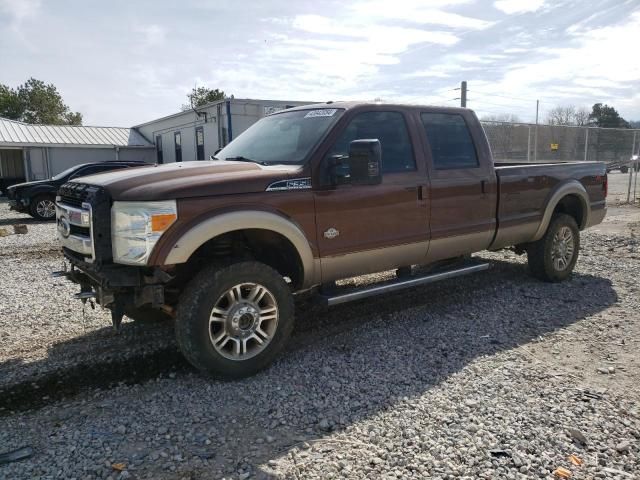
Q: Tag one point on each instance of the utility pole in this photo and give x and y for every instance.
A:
(463, 94)
(631, 169)
(535, 136)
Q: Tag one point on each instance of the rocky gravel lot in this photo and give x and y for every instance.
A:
(494, 375)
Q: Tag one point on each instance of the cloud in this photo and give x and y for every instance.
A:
(568, 51)
(381, 36)
(420, 12)
(152, 35)
(20, 9)
(511, 7)
(591, 67)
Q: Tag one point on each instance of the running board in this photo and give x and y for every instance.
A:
(400, 284)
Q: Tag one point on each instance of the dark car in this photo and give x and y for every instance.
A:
(38, 198)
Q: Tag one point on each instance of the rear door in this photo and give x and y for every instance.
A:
(369, 228)
(463, 184)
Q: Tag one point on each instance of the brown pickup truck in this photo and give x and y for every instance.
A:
(306, 197)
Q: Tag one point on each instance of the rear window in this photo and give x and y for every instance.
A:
(450, 141)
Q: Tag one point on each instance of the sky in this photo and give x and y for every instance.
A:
(121, 63)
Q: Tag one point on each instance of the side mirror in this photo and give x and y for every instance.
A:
(365, 162)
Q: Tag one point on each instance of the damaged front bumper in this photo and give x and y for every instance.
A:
(116, 287)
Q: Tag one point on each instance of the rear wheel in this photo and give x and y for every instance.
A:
(43, 207)
(553, 257)
(234, 320)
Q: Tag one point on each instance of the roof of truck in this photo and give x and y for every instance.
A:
(353, 104)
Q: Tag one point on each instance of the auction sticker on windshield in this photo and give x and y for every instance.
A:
(325, 112)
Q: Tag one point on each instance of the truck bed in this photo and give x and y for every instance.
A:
(525, 189)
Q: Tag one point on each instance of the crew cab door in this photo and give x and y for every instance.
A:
(463, 184)
(369, 228)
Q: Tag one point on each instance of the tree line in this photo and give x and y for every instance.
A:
(38, 103)
(600, 115)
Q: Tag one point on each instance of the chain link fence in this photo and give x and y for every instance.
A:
(523, 142)
(619, 148)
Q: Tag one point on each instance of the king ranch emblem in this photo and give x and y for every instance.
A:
(331, 233)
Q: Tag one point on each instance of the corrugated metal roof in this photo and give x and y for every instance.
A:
(21, 134)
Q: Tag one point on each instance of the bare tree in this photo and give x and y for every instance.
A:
(561, 115)
(568, 115)
(581, 117)
(502, 117)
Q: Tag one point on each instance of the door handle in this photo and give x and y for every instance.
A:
(420, 189)
(483, 186)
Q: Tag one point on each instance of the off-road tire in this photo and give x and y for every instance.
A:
(33, 207)
(195, 306)
(539, 253)
(146, 315)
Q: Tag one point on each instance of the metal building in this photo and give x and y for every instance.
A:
(197, 134)
(34, 152)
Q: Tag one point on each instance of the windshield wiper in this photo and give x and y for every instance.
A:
(245, 159)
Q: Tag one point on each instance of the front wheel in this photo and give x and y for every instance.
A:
(234, 320)
(43, 207)
(553, 257)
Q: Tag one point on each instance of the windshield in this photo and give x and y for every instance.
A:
(287, 137)
(66, 172)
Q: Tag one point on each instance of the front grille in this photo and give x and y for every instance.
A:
(74, 194)
(95, 200)
(73, 201)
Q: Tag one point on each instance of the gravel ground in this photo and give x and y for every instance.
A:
(492, 375)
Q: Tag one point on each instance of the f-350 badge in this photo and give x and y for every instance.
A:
(331, 233)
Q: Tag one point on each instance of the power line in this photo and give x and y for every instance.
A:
(503, 96)
(499, 104)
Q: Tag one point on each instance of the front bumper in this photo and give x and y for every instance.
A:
(113, 284)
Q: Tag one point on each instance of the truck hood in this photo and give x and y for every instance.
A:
(189, 179)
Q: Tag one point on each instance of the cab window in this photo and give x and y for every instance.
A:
(388, 127)
(450, 141)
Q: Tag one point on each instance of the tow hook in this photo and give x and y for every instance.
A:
(84, 296)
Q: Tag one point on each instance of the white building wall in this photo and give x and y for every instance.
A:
(142, 154)
(36, 164)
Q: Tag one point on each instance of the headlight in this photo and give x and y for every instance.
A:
(137, 226)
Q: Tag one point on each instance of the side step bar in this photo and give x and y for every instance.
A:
(400, 284)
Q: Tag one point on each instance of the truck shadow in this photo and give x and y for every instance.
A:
(378, 351)
(23, 220)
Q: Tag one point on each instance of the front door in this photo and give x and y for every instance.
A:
(369, 228)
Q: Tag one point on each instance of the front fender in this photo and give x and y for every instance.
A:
(198, 235)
